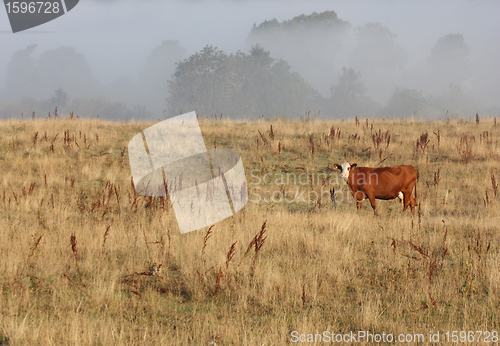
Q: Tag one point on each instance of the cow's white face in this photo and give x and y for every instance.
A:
(345, 168)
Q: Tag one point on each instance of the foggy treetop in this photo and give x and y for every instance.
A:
(311, 62)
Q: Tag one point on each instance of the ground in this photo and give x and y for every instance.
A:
(85, 260)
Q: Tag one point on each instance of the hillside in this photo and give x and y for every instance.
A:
(85, 260)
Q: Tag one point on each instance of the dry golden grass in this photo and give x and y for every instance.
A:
(85, 260)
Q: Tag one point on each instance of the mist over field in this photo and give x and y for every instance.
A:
(246, 59)
(291, 89)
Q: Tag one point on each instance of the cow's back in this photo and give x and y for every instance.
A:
(386, 182)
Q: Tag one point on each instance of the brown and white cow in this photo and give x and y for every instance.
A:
(380, 183)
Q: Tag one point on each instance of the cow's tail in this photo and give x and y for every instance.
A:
(416, 183)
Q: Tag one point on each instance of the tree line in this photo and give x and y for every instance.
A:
(291, 67)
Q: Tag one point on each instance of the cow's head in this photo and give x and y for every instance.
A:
(345, 169)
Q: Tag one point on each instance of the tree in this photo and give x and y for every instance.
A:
(61, 68)
(405, 102)
(22, 74)
(202, 82)
(325, 20)
(311, 44)
(348, 98)
(65, 68)
(455, 101)
(450, 49)
(376, 49)
(265, 28)
(238, 85)
(152, 80)
(350, 86)
(102, 108)
(378, 57)
(450, 60)
(59, 100)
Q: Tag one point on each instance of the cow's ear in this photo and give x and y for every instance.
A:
(336, 166)
(354, 165)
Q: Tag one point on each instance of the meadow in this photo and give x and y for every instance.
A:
(85, 260)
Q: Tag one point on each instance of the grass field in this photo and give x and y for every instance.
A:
(84, 260)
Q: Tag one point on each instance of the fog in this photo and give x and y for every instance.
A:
(116, 56)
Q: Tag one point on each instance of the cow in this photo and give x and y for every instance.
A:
(380, 183)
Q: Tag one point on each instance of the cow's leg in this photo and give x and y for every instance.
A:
(413, 200)
(409, 201)
(412, 205)
(359, 196)
(401, 197)
(371, 197)
(406, 201)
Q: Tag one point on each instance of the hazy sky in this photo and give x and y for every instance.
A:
(117, 36)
